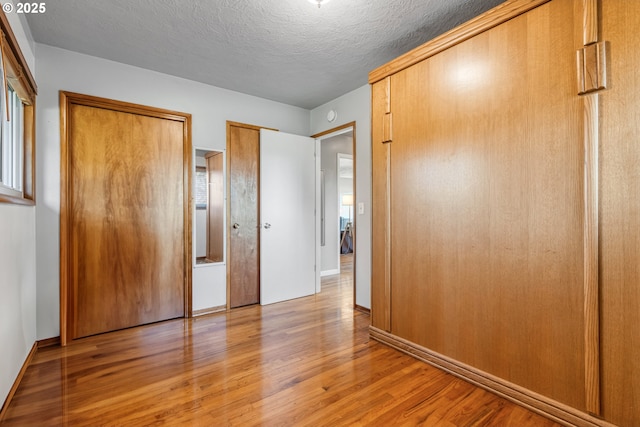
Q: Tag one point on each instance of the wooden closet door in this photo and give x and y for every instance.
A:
(125, 219)
(243, 153)
(486, 187)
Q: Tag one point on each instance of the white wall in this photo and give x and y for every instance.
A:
(355, 106)
(17, 267)
(210, 107)
(17, 291)
(330, 252)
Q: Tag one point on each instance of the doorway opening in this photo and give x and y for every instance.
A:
(337, 243)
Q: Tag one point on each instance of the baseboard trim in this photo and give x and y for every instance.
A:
(329, 272)
(362, 309)
(16, 383)
(49, 342)
(210, 310)
(542, 405)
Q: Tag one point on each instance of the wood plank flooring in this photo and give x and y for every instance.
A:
(307, 362)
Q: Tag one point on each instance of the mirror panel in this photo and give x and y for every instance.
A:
(209, 206)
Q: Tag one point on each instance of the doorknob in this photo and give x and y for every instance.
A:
(267, 225)
(236, 225)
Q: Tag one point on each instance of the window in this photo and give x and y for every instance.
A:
(17, 118)
(201, 187)
(11, 142)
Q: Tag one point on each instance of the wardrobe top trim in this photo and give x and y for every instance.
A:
(492, 18)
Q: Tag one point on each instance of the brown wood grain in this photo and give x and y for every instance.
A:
(591, 255)
(127, 224)
(215, 206)
(590, 22)
(496, 16)
(380, 268)
(243, 154)
(307, 362)
(125, 191)
(487, 205)
(619, 155)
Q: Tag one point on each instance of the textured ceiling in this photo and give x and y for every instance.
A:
(284, 50)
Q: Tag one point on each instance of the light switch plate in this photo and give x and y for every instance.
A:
(360, 208)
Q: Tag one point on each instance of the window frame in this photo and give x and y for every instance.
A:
(19, 76)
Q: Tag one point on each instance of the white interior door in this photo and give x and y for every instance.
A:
(287, 212)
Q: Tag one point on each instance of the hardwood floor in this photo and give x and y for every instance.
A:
(306, 362)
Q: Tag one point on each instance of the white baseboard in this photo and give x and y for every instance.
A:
(329, 272)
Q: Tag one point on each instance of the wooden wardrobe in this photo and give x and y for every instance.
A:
(506, 206)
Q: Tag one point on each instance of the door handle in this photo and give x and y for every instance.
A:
(267, 225)
(236, 225)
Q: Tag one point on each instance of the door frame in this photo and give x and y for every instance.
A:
(319, 137)
(67, 99)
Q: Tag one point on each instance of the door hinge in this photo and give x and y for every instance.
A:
(592, 68)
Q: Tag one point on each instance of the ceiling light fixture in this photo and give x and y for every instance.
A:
(319, 2)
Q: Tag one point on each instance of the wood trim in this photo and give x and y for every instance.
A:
(210, 310)
(387, 239)
(380, 209)
(17, 52)
(492, 18)
(387, 205)
(126, 107)
(589, 22)
(591, 277)
(246, 126)
(362, 309)
(29, 165)
(354, 230)
(227, 191)
(6, 196)
(65, 238)
(591, 256)
(556, 411)
(187, 168)
(66, 100)
(336, 129)
(48, 342)
(16, 383)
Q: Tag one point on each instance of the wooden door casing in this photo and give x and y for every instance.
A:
(243, 263)
(125, 223)
(619, 211)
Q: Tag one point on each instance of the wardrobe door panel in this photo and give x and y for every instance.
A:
(486, 187)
